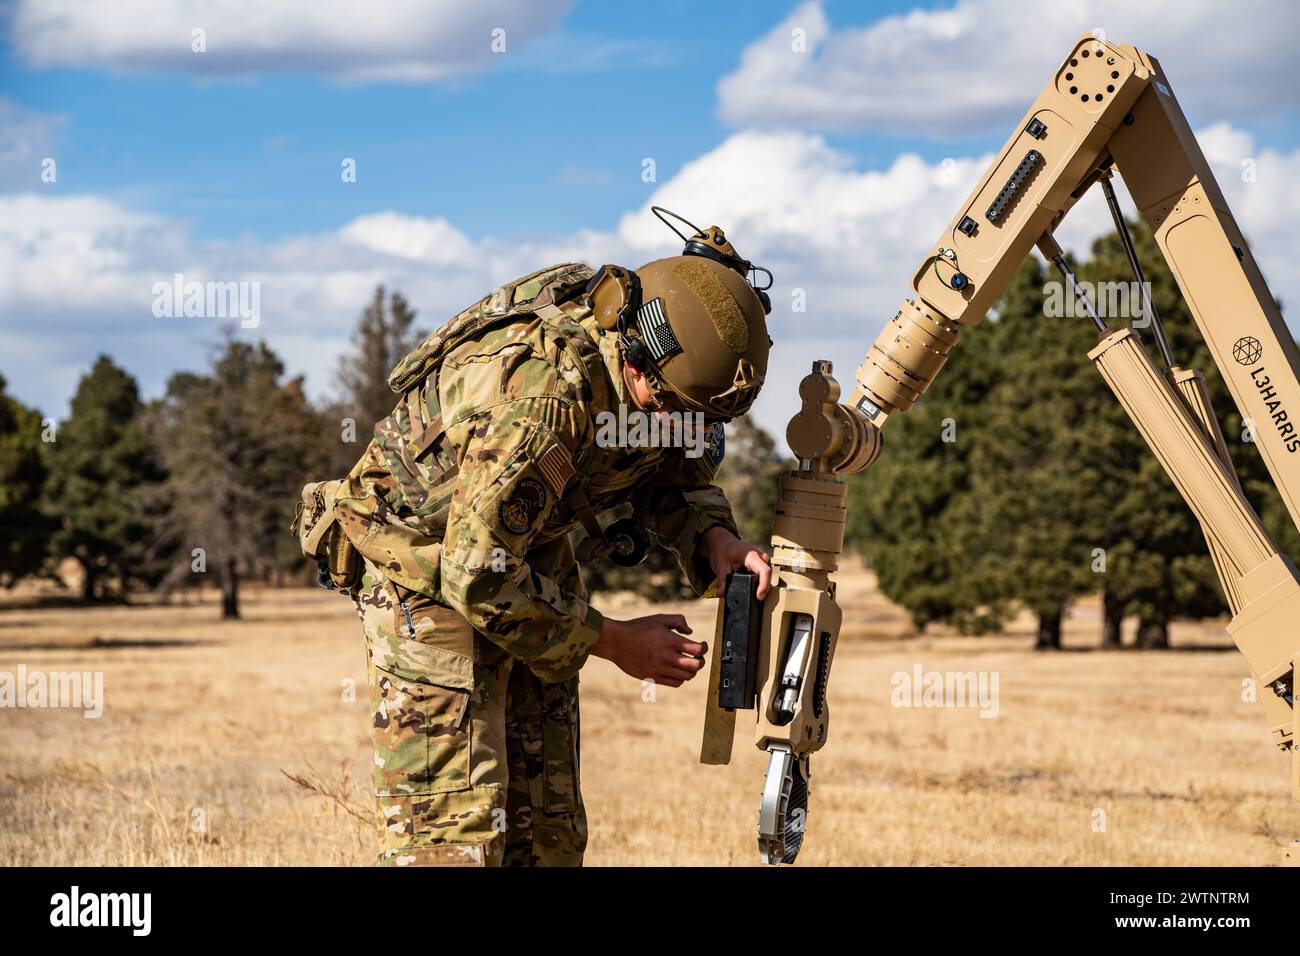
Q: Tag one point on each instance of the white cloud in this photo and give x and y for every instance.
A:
(402, 40)
(78, 251)
(848, 238)
(81, 269)
(1259, 185)
(980, 63)
(411, 237)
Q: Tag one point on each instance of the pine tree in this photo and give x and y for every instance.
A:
(103, 469)
(239, 446)
(383, 336)
(24, 528)
(913, 514)
(1157, 564)
(750, 474)
(1035, 467)
(1049, 492)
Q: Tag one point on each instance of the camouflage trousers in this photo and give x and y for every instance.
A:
(476, 759)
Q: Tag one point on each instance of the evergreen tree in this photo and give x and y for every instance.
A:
(1035, 467)
(24, 528)
(913, 514)
(239, 446)
(1157, 564)
(1047, 480)
(750, 475)
(103, 469)
(383, 336)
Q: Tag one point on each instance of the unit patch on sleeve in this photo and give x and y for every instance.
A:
(521, 508)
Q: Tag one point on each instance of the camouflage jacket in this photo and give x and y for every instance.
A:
(465, 494)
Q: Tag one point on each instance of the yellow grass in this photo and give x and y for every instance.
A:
(191, 761)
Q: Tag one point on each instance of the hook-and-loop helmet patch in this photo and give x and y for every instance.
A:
(655, 330)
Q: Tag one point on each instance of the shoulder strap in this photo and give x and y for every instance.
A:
(530, 293)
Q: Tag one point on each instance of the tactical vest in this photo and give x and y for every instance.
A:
(420, 458)
(398, 496)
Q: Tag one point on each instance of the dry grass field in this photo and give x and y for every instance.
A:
(205, 722)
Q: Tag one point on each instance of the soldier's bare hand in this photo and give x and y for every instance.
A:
(653, 647)
(726, 553)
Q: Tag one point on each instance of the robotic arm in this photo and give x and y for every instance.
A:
(1108, 108)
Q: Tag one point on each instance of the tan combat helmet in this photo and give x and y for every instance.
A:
(692, 324)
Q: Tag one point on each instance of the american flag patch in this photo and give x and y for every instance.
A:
(656, 331)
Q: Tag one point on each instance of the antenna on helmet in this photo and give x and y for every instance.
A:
(706, 243)
(661, 212)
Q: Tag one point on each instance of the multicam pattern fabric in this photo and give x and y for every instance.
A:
(464, 500)
(475, 756)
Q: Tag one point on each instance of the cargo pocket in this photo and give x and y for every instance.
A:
(421, 718)
(560, 745)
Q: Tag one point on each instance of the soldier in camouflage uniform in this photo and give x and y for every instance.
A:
(475, 615)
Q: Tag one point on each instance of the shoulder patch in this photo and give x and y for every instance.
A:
(520, 509)
(556, 468)
(715, 443)
(656, 331)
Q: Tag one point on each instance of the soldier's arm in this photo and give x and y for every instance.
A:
(684, 504)
(513, 461)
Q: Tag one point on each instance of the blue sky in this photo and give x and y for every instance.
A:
(828, 164)
(262, 153)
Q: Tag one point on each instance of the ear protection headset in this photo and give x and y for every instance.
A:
(614, 294)
(634, 349)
